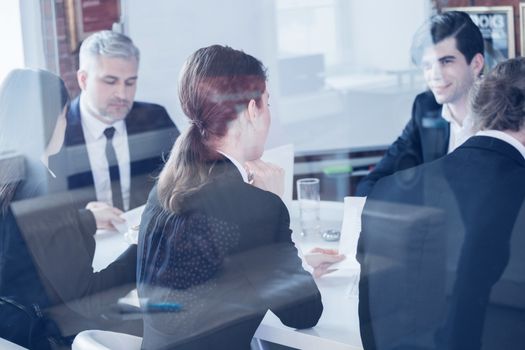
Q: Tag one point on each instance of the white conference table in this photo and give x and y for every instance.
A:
(338, 328)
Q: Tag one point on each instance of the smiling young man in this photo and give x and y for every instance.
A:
(449, 49)
(440, 256)
(112, 142)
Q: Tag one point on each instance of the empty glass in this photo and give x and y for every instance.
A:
(309, 205)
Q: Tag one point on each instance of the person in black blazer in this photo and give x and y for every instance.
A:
(143, 119)
(441, 244)
(449, 49)
(111, 143)
(214, 237)
(47, 241)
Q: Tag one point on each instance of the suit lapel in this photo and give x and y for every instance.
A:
(78, 169)
(74, 134)
(435, 134)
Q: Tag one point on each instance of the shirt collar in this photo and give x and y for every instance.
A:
(503, 136)
(446, 113)
(238, 165)
(94, 126)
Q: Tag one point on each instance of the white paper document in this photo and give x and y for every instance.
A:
(132, 218)
(350, 230)
(352, 290)
(132, 298)
(283, 156)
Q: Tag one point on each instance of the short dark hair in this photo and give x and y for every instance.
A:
(452, 24)
(498, 100)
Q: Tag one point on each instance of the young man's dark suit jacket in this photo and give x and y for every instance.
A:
(151, 134)
(441, 253)
(227, 259)
(424, 139)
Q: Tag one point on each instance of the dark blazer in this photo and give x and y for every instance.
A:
(19, 282)
(227, 259)
(424, 139)
(59, 237)
(441, 253)
(151, 134)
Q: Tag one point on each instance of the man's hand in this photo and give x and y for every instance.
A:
(266, 176)
(321, 260)
(105, 215)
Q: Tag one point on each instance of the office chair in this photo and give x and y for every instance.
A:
(104, 340)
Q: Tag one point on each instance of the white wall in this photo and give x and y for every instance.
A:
(31, 20)
(375, 36)
(381, 40)
(10, 37)
(168, 31)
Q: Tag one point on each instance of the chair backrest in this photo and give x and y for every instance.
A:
(7, 345)
(395, 245)
(225, 311)
(104, 340)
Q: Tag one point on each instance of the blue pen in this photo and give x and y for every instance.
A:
(162, 307)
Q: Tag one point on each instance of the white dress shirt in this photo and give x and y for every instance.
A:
(458, 133)
(93, 130)
(238, 165)
(504, 137)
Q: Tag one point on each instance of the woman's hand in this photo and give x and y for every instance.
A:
(266, 176)
(321, 260)
(105, 215)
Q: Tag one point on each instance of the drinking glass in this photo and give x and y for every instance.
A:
(309, 205)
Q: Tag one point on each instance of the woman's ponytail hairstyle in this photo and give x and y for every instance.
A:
(216, 85)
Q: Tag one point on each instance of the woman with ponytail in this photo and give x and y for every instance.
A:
(216, 202)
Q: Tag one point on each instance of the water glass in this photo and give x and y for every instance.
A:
(309, 205)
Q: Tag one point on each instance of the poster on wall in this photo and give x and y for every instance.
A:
(88, 16)
(496, 24)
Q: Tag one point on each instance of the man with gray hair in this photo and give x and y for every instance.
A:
(112, 142)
